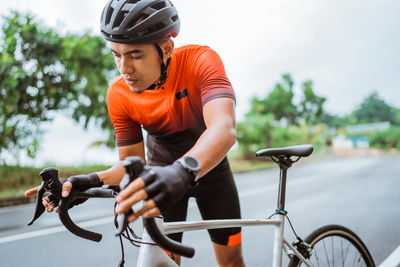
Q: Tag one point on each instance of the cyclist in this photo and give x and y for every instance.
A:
(184, 100)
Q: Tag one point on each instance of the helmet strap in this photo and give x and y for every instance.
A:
(163, 76)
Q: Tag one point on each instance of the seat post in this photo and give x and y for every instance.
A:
(282, 191)
(284, 164)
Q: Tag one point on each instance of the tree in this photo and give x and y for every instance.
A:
(333, 121)
(279, 102)
(263, 125)
(254, 133)
(311, 106)
(42, 71)
(374, 109)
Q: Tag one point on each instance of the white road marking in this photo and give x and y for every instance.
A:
(392, 260)
(54, 230)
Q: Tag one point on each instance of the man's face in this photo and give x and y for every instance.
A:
(139, 64)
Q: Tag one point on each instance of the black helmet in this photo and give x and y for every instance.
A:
(139, 21)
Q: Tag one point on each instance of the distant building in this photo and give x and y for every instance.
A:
(362, 142)
(359, 141)
(367, 127)
(340, 142)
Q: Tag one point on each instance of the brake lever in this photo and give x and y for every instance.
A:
(50, 182)
(133, 167)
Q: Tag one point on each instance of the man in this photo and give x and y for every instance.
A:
(185, 102)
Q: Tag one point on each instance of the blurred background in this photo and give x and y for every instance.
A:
(312, 71)
(303, 72)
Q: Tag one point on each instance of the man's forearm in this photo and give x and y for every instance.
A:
(112, 176)
(212, 146)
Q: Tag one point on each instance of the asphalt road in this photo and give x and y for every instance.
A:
(361, 193)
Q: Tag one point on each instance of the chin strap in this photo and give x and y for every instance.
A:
(163, 76)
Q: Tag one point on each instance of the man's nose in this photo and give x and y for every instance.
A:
(125, 67)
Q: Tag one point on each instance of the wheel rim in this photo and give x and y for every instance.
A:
(334, 249)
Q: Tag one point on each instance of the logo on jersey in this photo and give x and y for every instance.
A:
(181, 94)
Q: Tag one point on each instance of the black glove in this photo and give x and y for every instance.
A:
(166, 185)
(81, 183)
(85, 181)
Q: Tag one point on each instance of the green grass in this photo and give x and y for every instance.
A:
(14, 180)
(240, 165)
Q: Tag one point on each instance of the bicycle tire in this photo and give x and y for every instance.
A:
(335, 244)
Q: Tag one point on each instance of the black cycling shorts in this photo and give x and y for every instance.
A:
(215, 194)
(217, 198)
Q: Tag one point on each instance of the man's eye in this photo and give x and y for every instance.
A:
(136, 57)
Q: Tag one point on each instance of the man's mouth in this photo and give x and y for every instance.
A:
(131, 81)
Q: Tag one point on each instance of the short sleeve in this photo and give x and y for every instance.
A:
(127, 131)
(212, 79)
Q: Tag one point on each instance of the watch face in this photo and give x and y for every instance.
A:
(192, 163)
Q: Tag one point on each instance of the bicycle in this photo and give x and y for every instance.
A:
(325, 246)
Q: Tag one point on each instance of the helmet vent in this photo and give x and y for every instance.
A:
(109, 14)
(132, 1)
(175, 18)
(159, 5)
(118, 20)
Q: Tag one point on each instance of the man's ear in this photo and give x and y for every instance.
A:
(168, 48)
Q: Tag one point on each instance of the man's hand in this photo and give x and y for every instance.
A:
(47, 203)
(160, 186)
(80, 182)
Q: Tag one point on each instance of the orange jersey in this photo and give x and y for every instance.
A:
(196, 76)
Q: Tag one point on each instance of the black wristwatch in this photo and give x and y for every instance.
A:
(192, 165)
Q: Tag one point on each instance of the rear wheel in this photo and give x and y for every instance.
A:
(335, 245)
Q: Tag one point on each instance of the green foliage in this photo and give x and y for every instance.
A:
(254, 133)
(387, 139)
(91, 67)
(396, 116)
(311, 106)
(275, 121)
(279, 102)
(42, 71)
(333, 121)
(374, 109)
(287, 136)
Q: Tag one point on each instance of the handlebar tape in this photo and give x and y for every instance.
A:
(164, 242)
(96, 192)
(71, 226)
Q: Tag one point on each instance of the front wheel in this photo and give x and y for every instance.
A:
(335, 245)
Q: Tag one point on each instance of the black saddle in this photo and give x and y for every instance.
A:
(298, 151)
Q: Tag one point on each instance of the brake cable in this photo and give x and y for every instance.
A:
(134, 240)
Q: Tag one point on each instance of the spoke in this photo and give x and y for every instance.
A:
(326, 252)
(316, 256)
(347, 251)
(355, 259)
(333, 253)
(341, 246)
(360, 260)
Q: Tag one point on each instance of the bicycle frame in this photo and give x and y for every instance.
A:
(151, 256)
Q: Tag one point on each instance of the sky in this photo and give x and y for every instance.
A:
(349, 49)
